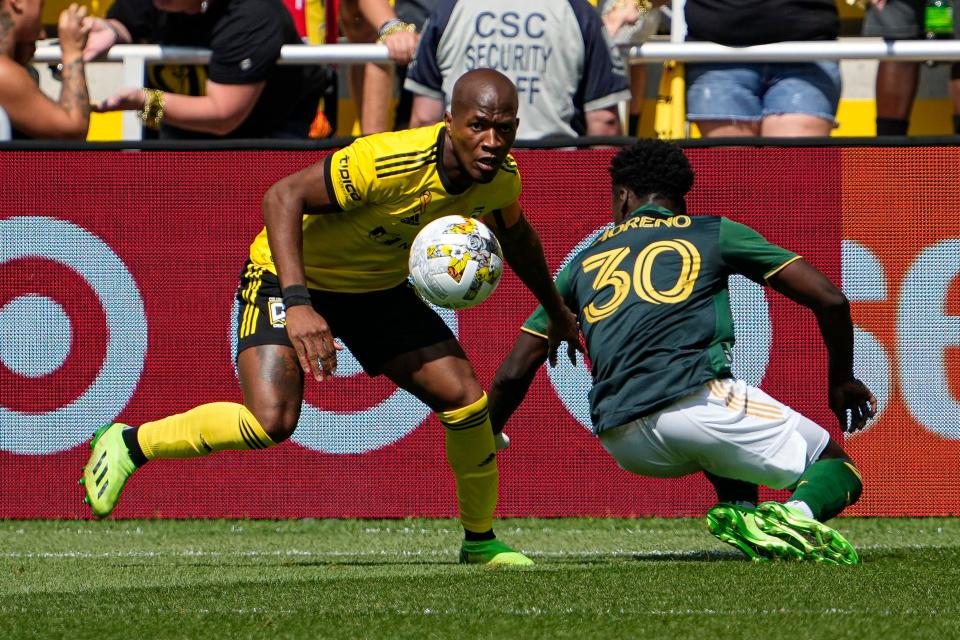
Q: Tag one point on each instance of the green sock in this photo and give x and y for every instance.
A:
(828, 487)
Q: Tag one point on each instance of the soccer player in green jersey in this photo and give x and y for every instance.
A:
(331, 262)
(652, 300)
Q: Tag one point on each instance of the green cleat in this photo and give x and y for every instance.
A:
(107, 470)
(738, 526)
(492, 552)
(818, 541)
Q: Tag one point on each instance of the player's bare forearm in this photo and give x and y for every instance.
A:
(282, 211)
(836, 328)
(803, 283)
(849, 399)
(284, 205)
(514, 376)
(523, 251)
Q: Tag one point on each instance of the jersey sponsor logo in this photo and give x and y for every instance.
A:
(425, 197)
(384, 237)
(278, 313)
(646, 222)
(343, 167)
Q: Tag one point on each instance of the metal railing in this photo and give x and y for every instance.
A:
(134, 58)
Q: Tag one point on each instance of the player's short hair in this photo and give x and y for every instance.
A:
(653, 167)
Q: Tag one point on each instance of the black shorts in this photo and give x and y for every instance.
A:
(376, 326)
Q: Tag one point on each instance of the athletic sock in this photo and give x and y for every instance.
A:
(828, 487)
(892, 126)
(800, 506)
(473, 536)
(736, 492)
(201, 431)
(473, 459)
(133, 446)
(634, 126)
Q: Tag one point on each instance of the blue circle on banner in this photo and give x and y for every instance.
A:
(362, 431)
(35, 335)
(74, 247)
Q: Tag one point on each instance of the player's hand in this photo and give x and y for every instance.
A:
(853, 404)
(130, 99)
(73, 30)
(402, 45)
(563, 328)
(313, 342)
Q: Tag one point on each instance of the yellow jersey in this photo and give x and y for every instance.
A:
(388, 185)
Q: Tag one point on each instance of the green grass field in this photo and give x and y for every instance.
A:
(594, 578)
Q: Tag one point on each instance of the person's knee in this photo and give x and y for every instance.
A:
(463, 392)
(279, 420)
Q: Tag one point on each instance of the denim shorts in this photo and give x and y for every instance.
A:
(748, 92)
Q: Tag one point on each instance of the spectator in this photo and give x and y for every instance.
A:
(765, 99)
(630, 23)
(243, 93)
(897, 81)
(556, 52)
(32, 114)
(416, 13)
(372, 85)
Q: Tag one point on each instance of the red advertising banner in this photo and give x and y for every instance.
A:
(117, 279)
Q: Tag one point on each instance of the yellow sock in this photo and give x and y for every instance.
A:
(201, 431)
(473, 459)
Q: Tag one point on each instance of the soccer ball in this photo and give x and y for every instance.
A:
(455, 262)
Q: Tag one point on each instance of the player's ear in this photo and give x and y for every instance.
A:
(620, 197)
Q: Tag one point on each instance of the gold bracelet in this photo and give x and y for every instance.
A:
(642, 6)
(152, 112)
(395, 27)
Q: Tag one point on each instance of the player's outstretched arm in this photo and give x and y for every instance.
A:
(514, 376)
(524, 253)
(803, 283)
(283, 207)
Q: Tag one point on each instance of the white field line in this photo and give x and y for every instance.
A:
(382, 553)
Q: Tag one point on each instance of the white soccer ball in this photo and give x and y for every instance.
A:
(455, 262)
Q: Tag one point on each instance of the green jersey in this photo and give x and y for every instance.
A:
(652, 300)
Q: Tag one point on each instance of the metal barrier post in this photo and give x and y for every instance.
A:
(134, 68)
(6, 129)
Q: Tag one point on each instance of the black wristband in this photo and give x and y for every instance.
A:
(296, 295)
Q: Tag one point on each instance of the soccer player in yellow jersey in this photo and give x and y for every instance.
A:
(334, 249)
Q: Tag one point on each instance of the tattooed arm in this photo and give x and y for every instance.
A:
(30, 111)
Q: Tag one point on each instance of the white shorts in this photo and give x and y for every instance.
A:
(728, 428)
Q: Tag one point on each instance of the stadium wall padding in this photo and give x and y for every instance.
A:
(117, 280)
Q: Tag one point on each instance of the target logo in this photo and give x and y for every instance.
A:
(73, 335)
(354, 431)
